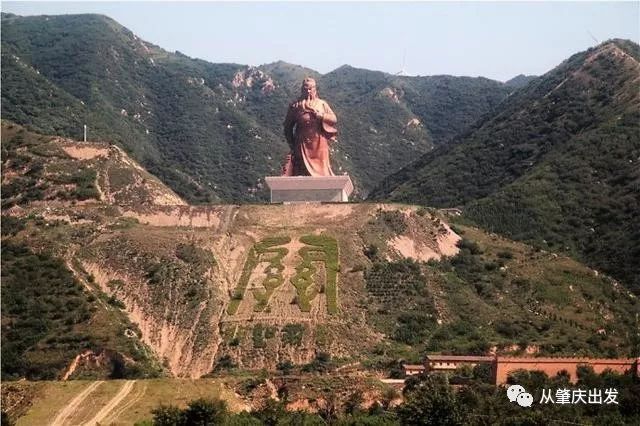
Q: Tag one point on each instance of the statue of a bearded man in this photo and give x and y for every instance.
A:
(309, 126)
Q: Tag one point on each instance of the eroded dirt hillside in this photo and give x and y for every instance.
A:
(209, 288)
(266, 284)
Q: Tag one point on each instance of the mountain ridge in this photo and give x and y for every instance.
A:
(592, 96)
(209, 122)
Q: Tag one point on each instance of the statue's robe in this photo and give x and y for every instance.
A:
(309, 138)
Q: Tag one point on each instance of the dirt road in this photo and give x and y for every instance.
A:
(104, 412)
(72, 406)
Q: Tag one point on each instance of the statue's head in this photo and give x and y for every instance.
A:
(309, 90)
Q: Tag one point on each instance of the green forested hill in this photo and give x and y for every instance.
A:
(213, 131)
(556, 164)
(520, 80)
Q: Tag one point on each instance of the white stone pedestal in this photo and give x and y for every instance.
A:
(309, 189)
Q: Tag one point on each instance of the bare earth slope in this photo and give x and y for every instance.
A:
(254, 286)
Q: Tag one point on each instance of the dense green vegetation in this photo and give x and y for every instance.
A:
(292, 334)
(520, 80)
(206, 137)
(431, 400)
(324, 249)
(477, 280)
(496, 294)
(46, 317)
(41, 303)
(583, 201)
(405, 307)
(266, 250)
(555, 165)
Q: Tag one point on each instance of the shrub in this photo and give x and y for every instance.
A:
(371, 251)
(167, 416)
(292, 334)
(505, 254)
(225, 363)
(285, 366)
(321, 363)
(469, 245)
(203, 412)
(113, 301)
(258, 336)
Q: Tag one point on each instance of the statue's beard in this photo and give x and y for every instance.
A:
(310, 96)
(305, 100)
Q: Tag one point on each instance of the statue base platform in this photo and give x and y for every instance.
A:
(309, 189)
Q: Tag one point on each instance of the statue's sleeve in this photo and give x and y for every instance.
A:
(329, 120)
(289, 124)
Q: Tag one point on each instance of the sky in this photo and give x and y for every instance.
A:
(497, 40)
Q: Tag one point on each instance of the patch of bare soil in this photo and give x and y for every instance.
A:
(447, 242)
(170, 342)
(106, 410)
(163, 198)
(85, 152)
(88, 358)
(410, 248)
(302, 405)
(426, 237)
(296, 215)
(70, 408)
(196, 217)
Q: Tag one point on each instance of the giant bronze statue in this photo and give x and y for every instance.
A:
(309, 127)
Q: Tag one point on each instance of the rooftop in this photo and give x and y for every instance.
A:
(460, 358)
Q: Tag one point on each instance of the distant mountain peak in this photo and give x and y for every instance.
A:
(184, 117)
(345, 67)
(617, 46)
(281, 63)
(520, 80)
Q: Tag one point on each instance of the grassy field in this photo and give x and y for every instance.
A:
(136, 406)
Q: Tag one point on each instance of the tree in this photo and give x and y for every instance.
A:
(6, 420)
(285, 367)
(353, 403)
(431, 402)
(167, 416)
(204, 412)
(271, 412)
(482, 372)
